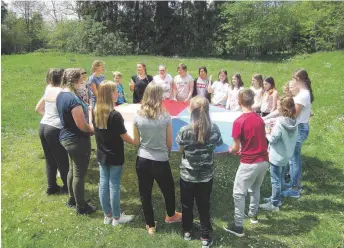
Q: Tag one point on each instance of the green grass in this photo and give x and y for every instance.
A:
(32, 219)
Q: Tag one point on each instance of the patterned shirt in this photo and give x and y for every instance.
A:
(197, 163)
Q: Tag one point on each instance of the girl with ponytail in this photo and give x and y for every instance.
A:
(301, 88)
(197, 143)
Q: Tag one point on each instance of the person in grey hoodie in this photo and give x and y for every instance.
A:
(282, 141)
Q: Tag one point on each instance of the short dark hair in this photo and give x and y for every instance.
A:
(56, 76)
(202, 68)
(246, 97)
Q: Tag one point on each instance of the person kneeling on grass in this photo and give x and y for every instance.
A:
(110, 133)
(197, 143)
(249, 132)
(153, 130)
(282, 141)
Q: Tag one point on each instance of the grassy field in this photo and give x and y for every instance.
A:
(32, 219)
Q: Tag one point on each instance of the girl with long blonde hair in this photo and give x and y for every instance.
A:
(197, 142)
(153, 130)
(110, 135)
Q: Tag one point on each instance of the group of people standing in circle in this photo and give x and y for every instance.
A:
(74, 108)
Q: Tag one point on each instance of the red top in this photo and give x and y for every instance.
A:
(174, 107)
(250, 129)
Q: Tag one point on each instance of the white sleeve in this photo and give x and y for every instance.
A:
(302, 98)
(213, 86)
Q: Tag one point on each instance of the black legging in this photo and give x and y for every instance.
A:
(56, 156)
(147, 170)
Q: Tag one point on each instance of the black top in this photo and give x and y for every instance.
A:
(140, 86)
(65, 102)
(110, 146)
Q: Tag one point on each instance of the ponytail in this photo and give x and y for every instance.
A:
(309, 87)
(302, 75)
(200, 119)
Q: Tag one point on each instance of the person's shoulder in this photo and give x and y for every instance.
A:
(189, 77)
(150, 78)
(177, 77)
(156, 77)
(185, 129)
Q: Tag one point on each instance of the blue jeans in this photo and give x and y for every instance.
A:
(296, 162)
(110, 189)
(277, 181)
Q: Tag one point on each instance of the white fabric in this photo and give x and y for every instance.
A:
(165, 83)
(232, 101)
(182, 86)
(257, 98)
(202, 87)
(303, 98)
(220, 91)
(51, 116)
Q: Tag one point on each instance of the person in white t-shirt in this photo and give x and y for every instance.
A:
(183, 84)
(233, 92)
(165, 80)
(301, 88)
(219, 89)
(257, 88)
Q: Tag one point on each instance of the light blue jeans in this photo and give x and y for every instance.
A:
(110, 189)
(277, 181)
(296, 162)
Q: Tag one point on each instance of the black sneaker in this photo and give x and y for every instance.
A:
(236, 230)
(206, 242)
(87, 209)
(54, 190)
(71, 202)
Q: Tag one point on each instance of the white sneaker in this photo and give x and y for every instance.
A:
(122, 219)
(187, 236)
(107, 220)
(269, 207)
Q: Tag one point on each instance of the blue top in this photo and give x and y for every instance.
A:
(121, 97)
(65, 102)
(95, 80)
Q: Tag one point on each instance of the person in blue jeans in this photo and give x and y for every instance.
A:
(282, 141)
(301, 88)
(110, 135)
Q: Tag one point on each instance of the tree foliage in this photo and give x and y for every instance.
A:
(183, 28)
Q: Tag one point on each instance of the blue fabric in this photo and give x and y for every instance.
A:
(296, 161)
(110, 189)
(95, 80)
(65, 102)
(121, 98)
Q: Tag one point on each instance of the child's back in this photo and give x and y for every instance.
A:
(198, 159)
(250, 129)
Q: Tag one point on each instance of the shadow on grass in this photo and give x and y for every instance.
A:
(327, 179)
(316, 172)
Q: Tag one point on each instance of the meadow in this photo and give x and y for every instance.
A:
(30, 218)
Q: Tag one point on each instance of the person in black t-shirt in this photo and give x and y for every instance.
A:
(139, 82)
(110, 135)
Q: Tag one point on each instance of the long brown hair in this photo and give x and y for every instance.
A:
(151, 106)
(240, 82)
(302, 75)
(287, 107)
(200, 118)
(104, 103)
